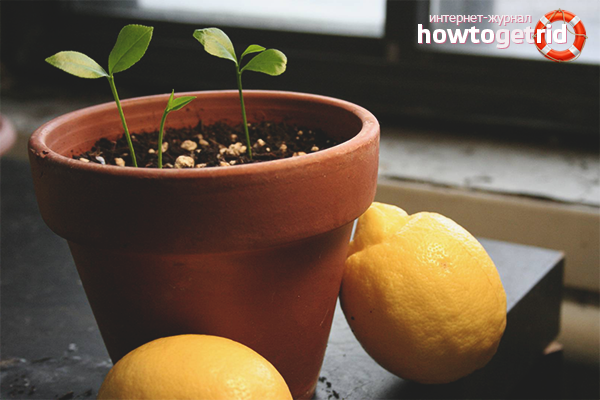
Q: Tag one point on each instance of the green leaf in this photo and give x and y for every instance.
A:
(253, 48)
(216, 42)
(131, 45)
(180, 102)
(77, 64)
(271, 62)
(171, 98)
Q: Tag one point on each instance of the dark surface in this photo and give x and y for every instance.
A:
(51, 346)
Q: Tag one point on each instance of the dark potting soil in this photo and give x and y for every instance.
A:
(215, 145)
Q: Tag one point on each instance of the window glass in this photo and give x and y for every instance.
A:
(364, 18)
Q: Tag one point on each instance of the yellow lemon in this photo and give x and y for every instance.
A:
(421, 295)
(199, 367)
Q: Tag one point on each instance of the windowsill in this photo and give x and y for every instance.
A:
(491, 165)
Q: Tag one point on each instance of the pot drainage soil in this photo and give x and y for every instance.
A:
(216, 145)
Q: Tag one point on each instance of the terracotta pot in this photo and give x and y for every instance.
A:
(253, 252)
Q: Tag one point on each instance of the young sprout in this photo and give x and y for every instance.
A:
(271, 62)
(132, 43)
(172, 105)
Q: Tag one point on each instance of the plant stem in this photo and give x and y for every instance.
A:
(239, 83)
(111, 80)
(160, 137)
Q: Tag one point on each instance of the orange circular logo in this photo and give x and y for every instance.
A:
(573, 52)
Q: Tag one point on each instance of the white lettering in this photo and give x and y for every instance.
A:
(474, 32)
(420, 35)
(529, 34)
(503, 38)
(459, 35)
(540, 32)
(489, 32)
(563, 33)
(516, 36)
(436, 33)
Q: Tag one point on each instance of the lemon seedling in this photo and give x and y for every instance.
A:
(268, 61)
(172, 105)
(131, 45)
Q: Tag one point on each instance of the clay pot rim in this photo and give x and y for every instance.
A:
(368, 131)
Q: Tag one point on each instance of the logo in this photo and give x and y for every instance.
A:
(542, 36)
(542, 31)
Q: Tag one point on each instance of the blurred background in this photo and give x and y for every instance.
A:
(363, 51)
(503, 141)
